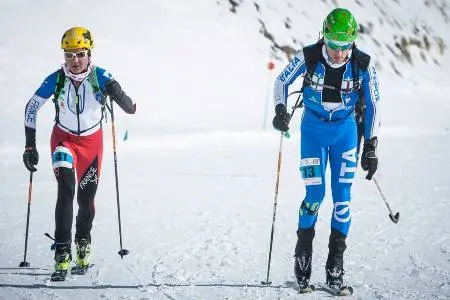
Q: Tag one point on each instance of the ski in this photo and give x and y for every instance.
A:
(344, 290)
(306, 289)
(59, 275)
(80, 270)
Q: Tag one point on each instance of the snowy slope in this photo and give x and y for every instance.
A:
(197, 172)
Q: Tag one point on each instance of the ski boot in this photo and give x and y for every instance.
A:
(83, 262)
(334, 268)
(335, 282)
(302, 269)
(303, 257)
(63, 257)
(335, 277)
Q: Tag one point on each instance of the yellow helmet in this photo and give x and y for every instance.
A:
(77, 37)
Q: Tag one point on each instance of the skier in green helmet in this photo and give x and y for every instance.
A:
(337, 76)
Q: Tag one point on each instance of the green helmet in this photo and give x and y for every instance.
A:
(340, 25)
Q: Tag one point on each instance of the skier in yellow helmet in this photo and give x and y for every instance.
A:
(79, 90)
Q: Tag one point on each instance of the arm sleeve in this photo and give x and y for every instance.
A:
(295, 68)
(114, 90)
(41, 95)
(372, 99)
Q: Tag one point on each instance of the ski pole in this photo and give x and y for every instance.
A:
(26, 264)
(297, 104)
(122, 252)
(277, 184)
(394, 218)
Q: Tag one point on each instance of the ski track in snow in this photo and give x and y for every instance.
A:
(194, 244)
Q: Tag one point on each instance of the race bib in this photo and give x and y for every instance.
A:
(311, 171)
(62, 157)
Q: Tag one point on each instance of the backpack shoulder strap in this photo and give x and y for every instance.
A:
(312, 56)
(360, 61)
(60, 80)
(362, 58)
(99, 93)
(93, 80)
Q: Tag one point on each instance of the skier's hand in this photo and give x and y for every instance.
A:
(369, 160)
(281, 119)
(31, 158)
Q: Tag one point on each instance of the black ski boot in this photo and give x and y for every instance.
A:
(302, 269)
(303, 258)
(335, 265)
(335, 277)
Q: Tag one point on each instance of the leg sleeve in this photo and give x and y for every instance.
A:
(87, 189)
(343, 167)
(312, 168)
(90, 151)
(62, 161)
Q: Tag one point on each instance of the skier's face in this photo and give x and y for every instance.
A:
(338, 51)
(338, 56)
(77, 60)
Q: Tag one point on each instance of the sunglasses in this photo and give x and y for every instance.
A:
(72, 55)
(336, 45)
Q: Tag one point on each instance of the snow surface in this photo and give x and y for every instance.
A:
(197, 172)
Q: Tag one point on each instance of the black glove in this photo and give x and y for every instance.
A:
(31, 158)
(369, 160)
(281, 119)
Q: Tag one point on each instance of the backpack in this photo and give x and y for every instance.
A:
(359, 60)
(93, 80)
(313, 54)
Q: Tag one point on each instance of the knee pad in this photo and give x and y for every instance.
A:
(309, 208)
(62, 158)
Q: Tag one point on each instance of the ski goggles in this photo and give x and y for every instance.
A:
(337, 45)
(79, 54)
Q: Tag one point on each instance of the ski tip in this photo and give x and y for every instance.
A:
(77, 270)
(337, 291)
(346, 291)
(309, 289)
(350, 290)
(58, 276)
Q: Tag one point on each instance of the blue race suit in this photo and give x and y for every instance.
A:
(328, 131)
